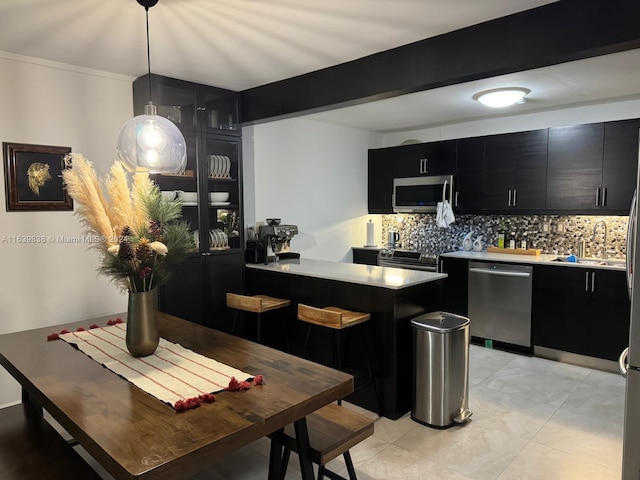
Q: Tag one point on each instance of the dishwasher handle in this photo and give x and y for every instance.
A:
(502, 273)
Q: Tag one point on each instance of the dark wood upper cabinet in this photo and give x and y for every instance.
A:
(593, 167)
(380, 180)
(191, 106)
(574, 178)
(413, 160)
(515, 174)
(580, 169)
(435, 158)
(620, 164)
(470, 174)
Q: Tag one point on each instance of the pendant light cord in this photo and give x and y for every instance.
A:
(146, 9)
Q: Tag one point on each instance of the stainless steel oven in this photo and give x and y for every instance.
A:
(410, 259)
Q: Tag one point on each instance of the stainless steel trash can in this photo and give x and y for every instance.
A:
(440, 369)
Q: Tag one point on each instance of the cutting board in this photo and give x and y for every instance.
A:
(515, 251)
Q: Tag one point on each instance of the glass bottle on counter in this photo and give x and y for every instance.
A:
(501, 236)
(512, 240)
(523, 241)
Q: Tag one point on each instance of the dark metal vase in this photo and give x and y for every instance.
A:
(142, 326)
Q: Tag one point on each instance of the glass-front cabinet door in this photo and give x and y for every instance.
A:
(222, 200)
(174, 99)
(210, 188)
(218, 111)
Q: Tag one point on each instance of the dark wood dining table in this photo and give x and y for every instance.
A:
(136, 436)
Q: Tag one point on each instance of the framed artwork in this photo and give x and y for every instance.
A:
(33, 177)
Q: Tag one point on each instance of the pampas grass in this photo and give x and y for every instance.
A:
(84, 187)
(120, 211)
(125, 219)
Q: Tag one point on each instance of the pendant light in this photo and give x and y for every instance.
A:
(149, 141)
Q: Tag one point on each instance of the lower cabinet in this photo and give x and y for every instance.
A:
(198, 287)
(455, 285)
(580, 310)
(365, 256)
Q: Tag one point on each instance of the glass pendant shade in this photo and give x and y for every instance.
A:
(153, 143)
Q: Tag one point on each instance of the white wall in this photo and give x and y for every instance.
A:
(517, 123)
(313, 175)
(46, 284)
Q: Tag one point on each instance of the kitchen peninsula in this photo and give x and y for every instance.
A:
(392, 296)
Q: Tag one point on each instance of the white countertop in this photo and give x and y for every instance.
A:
(545, 259)
(382, 277)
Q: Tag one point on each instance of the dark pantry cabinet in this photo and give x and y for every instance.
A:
(209, 120)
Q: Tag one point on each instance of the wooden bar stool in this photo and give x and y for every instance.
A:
(257, 304)
(339, 319)
(333, 430)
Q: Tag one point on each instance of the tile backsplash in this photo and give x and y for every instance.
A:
(557, 234)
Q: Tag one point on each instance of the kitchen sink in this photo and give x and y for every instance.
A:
(595, 261)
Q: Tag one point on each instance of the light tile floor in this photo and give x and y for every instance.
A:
(533, 419)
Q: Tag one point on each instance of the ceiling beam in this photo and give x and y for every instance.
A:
(559, 32)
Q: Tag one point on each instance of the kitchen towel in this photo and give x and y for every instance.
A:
(173, 374)
(444, 212)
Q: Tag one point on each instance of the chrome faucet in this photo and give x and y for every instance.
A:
(593, 238)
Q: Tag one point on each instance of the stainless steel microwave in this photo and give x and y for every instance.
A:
(421, 194)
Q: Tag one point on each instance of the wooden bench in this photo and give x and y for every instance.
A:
(31, 449)
(333, 430)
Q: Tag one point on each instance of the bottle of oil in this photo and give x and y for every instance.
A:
(512, 240)
(501, 237)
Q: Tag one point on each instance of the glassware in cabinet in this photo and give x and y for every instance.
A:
(218, 111)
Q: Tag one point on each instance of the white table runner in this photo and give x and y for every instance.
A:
(176, 375)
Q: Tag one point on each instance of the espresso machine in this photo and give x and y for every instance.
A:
(273, 243)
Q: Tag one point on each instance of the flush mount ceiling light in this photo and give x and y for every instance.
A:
(501, 97)
(149, 141)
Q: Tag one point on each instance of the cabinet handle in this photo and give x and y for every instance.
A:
(509, 200)
(593, 281)
(586, 282)
(598, 197)
(424, 162)
(456, 200)
(604, 197)
(514, 196)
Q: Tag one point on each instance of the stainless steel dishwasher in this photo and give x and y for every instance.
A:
(500, 302)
